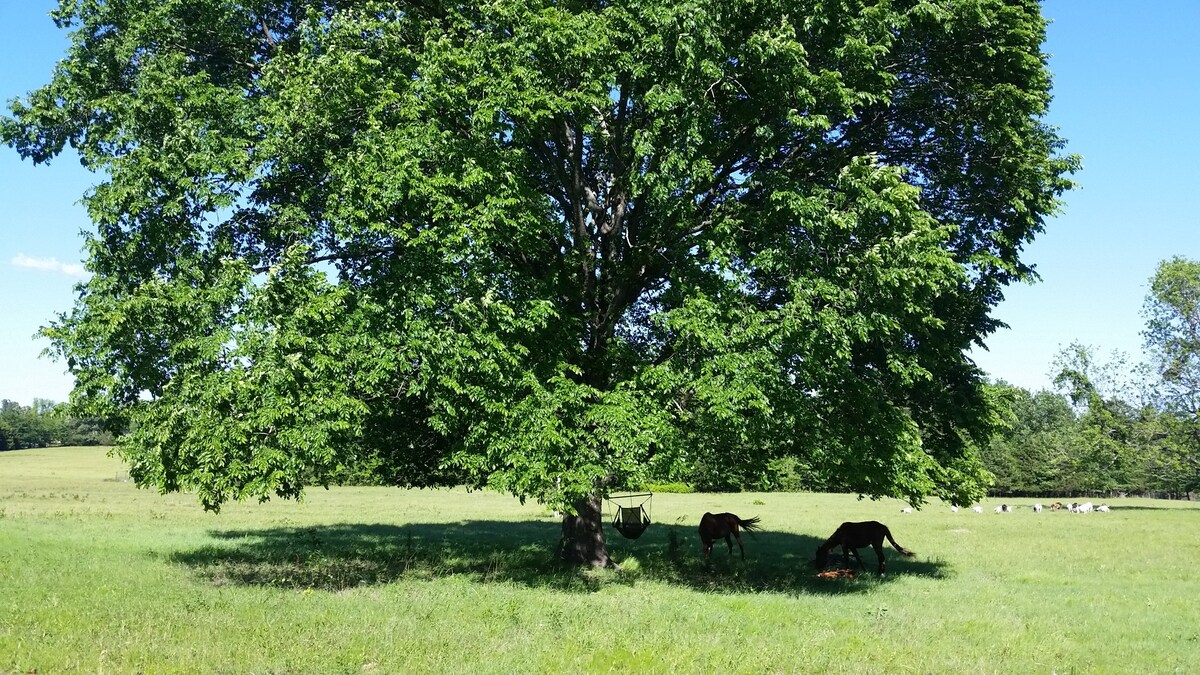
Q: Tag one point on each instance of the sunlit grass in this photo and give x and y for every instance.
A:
(96, 575)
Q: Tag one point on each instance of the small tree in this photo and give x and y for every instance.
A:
(541, 245)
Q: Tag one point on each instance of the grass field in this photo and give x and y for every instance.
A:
(98, 576)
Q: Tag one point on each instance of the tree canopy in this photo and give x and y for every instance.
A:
(546, 245)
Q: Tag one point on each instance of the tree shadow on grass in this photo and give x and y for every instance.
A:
(339, 557)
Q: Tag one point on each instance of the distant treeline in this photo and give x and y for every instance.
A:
(1088, 443)
(46, 423)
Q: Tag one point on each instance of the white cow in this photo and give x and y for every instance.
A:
(1037, 508)
(1102, 508)
(999, 509)
(977, 509)
(953, 509)
(1084, 507)
(907, 509)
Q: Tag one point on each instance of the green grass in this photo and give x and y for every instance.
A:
(98, 576)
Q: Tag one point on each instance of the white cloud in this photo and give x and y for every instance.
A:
(50, 265)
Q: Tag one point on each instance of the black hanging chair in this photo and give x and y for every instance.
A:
(631, 514)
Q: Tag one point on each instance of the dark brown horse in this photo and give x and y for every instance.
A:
(714, 526)
(853, 536)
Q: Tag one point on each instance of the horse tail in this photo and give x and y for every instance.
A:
(750, 525)
(903, 551)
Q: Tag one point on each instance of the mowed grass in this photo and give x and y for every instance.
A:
(98, 576)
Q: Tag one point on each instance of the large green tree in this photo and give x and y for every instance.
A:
(541, 245)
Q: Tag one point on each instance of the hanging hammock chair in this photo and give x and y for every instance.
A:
(631, 513)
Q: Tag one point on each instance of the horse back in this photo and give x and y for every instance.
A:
(716, 525)
(711, 526)
(860, 535)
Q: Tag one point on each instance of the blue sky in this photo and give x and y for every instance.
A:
(1126, 96)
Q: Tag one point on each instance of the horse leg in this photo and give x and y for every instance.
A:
(729, 543)
(878, 546)
(738, 536)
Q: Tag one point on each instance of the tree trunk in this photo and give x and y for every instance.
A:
(583, 535)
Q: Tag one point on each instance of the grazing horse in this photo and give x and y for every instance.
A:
(853, 536)
(714, 526)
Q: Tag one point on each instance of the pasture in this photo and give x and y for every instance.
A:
(98, 576)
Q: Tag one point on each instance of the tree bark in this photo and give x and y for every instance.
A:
(583, 535)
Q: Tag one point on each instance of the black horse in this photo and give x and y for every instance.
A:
(714, 526)
(853, 536)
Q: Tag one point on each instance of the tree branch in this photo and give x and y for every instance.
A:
(361, 255)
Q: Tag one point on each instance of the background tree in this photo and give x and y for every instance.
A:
(543, 246)
(46, 423)
(1172, 339)
(22, 426)
(1034, 452)
(1111, 446)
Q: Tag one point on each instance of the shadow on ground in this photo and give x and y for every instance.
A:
(338, 557)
